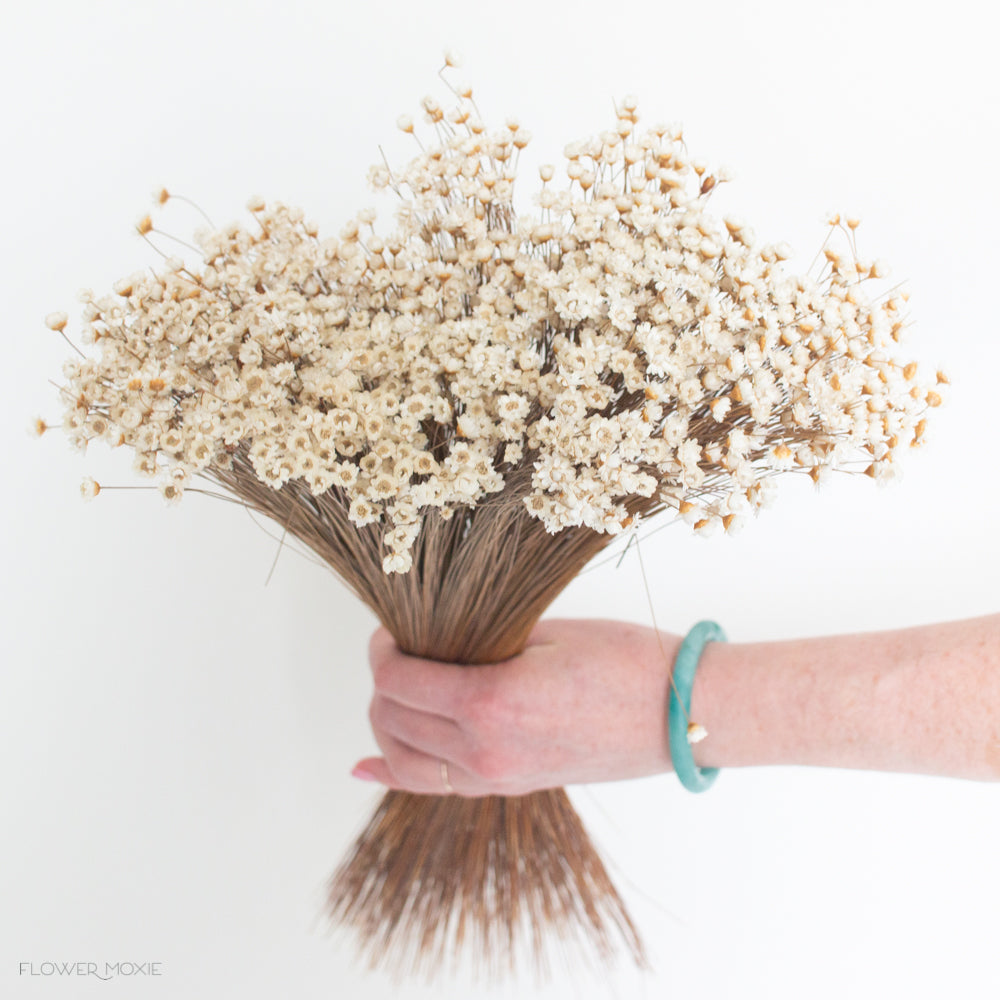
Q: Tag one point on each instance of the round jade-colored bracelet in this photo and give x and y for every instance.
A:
(692, 777)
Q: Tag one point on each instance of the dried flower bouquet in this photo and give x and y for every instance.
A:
(459, 415)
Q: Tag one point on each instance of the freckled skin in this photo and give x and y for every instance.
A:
(992, 757)
(586, 701)
(572, 689)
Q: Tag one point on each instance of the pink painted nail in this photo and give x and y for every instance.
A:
(363, 774)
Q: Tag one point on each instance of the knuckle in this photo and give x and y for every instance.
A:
(377, 714)
(491, 766)
(381, 650)
(398, 761)
(379, 672)
(375, 647)
(485, 707)
(385, 675)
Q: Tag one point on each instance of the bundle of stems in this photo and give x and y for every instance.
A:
(430, 874)
(457, 417)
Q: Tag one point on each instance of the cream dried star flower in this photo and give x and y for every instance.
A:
(627, 350)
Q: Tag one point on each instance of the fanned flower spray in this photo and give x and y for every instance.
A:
(458, 415)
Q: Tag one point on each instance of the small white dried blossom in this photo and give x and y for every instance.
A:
(624, 352)
(696, 733)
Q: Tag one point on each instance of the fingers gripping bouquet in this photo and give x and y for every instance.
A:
(458, 415)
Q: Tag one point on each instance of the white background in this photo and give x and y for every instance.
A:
(175, 736)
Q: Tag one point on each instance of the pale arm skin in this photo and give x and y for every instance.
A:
(586, 701)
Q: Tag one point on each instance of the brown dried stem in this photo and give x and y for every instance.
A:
(432, 877)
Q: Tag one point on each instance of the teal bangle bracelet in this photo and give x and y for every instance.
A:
(692, 777)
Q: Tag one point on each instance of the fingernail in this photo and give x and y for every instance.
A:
(363, 774)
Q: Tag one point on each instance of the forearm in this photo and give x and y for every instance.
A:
(923, 700)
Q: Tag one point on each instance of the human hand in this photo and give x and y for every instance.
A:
(584, 702)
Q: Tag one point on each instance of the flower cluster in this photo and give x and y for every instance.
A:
(624, 347)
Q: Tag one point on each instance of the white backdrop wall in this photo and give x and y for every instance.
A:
(176, 736)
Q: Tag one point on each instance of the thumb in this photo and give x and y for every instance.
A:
(373, 769)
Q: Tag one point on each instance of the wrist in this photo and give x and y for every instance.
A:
(769, 704)
(814, 702)
(711, 707)
(920, 700)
